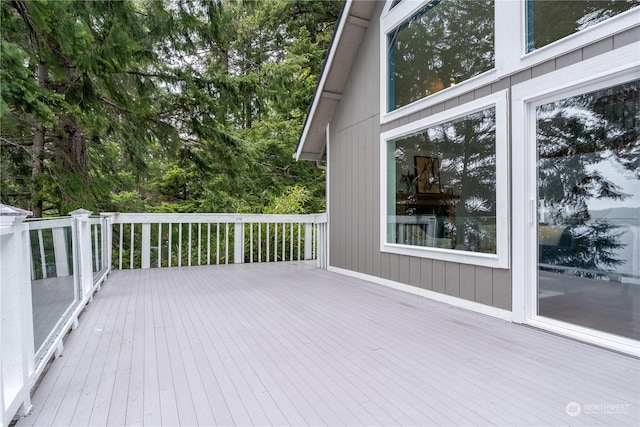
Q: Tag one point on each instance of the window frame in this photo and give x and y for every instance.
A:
(392, 20)
(514, 56)
(511, 54)
(500, 259)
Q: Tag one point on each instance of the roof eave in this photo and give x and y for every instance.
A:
(352, 25)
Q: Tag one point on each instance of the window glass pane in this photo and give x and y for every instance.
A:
(445, 43)
(551, 20)
(442, 185)
(589, 209)
(395, 3)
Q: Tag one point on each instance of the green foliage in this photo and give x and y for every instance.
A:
(291, 201)
(185, 106)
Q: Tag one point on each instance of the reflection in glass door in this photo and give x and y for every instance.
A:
(589, 210)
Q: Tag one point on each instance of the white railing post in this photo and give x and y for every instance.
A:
(238, 241)
(146, 246)
(82, 250)
(308, 241)
(17, 352)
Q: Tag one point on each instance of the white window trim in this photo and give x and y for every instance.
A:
(512, 47)
(500, 259)
(606, 70)
(397, 16)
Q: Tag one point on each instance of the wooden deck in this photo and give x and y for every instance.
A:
(289, 344)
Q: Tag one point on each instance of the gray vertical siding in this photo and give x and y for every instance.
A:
(355, 177)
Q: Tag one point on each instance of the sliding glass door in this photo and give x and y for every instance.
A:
(588, 209)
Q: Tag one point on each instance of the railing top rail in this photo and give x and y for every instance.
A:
(137, 218)
(42, 224)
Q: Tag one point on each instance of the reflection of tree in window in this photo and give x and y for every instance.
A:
(446, 42)
(574, 135)
(465, 153)
(553, 20)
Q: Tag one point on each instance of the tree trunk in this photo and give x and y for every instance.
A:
(71, 148)
(38, 152)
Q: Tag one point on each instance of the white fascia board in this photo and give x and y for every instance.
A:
(323, 79)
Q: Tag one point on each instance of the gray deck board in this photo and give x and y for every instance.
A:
(288, 344)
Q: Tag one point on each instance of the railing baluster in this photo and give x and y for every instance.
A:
(308, 240)
(226, 243)
(169, 246)
(251, 243)
(259, 242)
(314, 242)
(159, 244)
(120, 247)
(298, 241)
(180, 245)
(275, 242)
(96, 246)
(286, 238)
(189, 246)
(199, 242)
(208, 243)
(132, 247)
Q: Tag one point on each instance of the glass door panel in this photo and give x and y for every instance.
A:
(589, 210)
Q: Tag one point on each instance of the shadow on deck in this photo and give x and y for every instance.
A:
(289, 344)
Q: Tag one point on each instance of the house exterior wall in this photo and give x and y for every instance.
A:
(354, 177)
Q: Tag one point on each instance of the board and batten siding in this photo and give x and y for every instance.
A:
(354, 177)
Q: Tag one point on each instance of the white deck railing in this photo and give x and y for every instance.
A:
(50, 269)
(176, 240)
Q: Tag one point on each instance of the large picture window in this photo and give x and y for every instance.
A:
(445, 182)
(444, 43)
(549, 21)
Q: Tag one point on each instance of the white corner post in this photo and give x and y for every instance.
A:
(17, 353)
(82, 247)
(238, 241)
